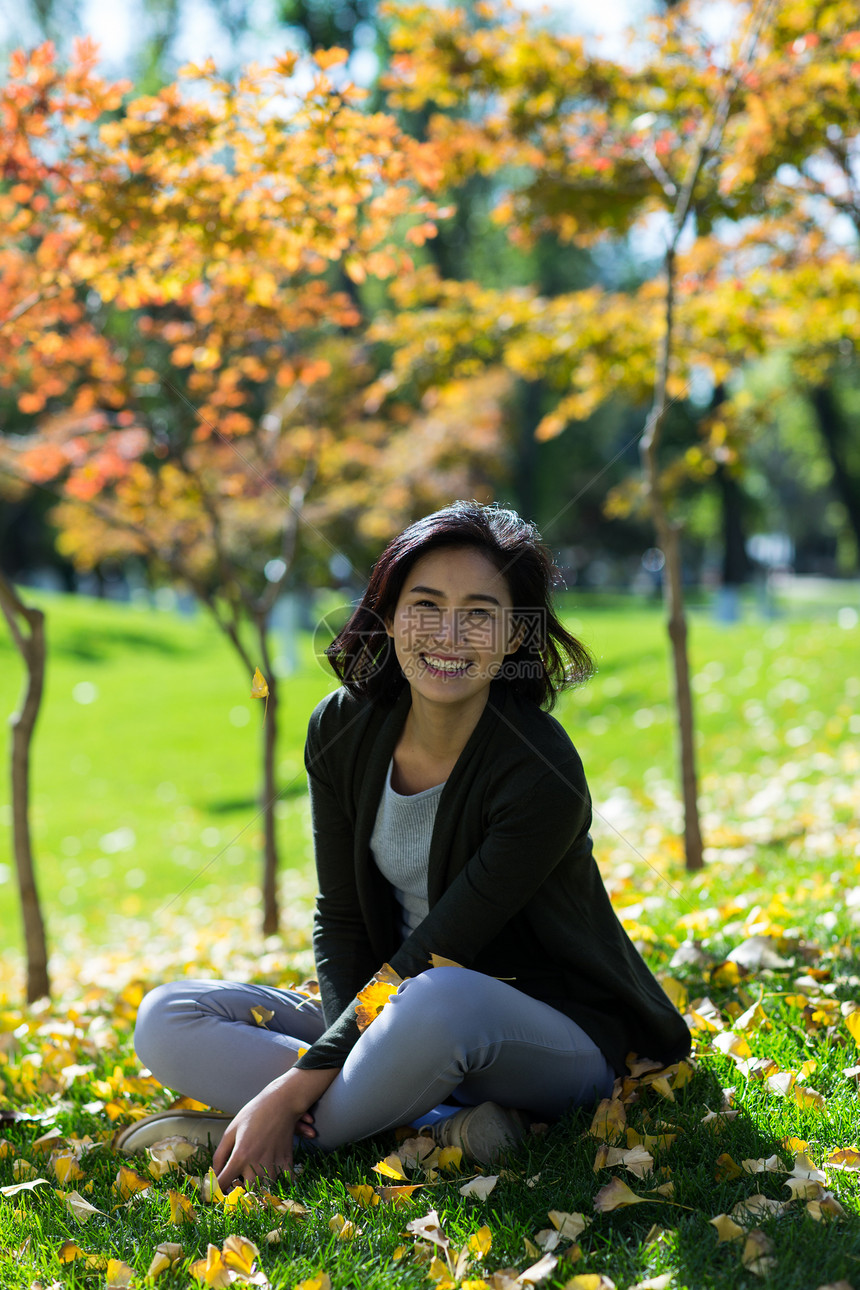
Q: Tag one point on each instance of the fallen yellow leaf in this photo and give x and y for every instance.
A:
(321, 1281)
(756, 1256)
(615, 1195)
(480, 1186)
(80, 1208)
(568, 1225)
(239, 1255)
(727, 1228)
(212, 1270)
(69, 1251)
(808, 1098)
(364, 1194)
(375, 995)
(164, 1257)
(589, 1281)
(119, 1275)
(390, 1167)
(181, 1209)
(128, 1182)
(610, 1120)
(480, 1242)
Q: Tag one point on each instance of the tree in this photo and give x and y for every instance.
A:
(203, 235)
(695, 136)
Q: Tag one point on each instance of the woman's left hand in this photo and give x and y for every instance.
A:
(259, 1139)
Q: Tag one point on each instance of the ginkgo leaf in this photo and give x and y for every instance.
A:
(809, 1098)
(610, 1120)
(259, 686)
(568, 1225)
(635, 1159)
(539, 1271)
(843, 1158)
(827, 1207)
(262, 1015)
(480, 1186)
(429, 1228)
(164, 1257)
(615, 1195)
(69, 1251)
(771, 1165)
(320, 1281)
(781, 1083)
(119, 1275)
(590, 1281)
(390, 1167)
(375, 995)
(284, 1205)
(15, 1188)
(80, 1208)
(128, 1183)
(239, 1255)
(755, 1018)
(181, 1209)
(450, 1158)
(727, 1168)
(756, 1255)
(398, 1195)
(211, 1270)
(365, 1195)
(480, 1242)
(757, 1206)
(852, 1021)
(661, 1282)
(439, 960)
(727, 1228)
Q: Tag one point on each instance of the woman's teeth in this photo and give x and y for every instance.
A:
(444, 665)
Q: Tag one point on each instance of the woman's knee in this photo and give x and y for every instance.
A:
(447, 1002)
(156, 1017)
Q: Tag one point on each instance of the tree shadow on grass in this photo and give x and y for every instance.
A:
(227, 805)
(98, 644)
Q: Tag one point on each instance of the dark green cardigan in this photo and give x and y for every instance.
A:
(513, 888)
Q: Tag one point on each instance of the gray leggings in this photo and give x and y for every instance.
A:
(449, 1033)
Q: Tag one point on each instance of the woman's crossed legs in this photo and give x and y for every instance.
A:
(449, 1033)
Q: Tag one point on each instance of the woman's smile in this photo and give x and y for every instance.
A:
(439, 665)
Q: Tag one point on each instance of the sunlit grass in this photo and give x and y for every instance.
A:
(781, 806)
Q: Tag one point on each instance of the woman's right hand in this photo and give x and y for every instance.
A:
(258, 1142)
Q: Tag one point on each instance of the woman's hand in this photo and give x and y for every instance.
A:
(259, 1139)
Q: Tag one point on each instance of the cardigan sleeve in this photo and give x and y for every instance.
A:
(534, 819)
(342, 951)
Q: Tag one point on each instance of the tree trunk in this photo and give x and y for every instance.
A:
(673, 588)
(677, 627)
(830, 426)
(28, 632)
(269, 794)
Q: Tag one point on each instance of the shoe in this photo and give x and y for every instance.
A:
(206, 1128)
(483, 1133)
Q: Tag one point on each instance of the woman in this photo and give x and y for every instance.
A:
(450, 818)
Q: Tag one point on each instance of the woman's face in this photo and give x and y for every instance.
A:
(453, 624)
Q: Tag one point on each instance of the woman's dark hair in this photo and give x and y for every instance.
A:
(548, 660)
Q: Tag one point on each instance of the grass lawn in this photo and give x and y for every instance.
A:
(144, 815)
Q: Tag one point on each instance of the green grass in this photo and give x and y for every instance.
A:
(777, 715)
